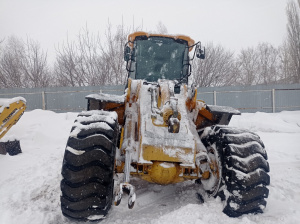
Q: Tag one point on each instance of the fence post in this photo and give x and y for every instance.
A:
(43, 100)
(215, 97)
(273, 101)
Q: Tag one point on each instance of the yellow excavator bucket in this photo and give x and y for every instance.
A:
(10, 112)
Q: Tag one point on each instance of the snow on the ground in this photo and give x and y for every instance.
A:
(30, 181)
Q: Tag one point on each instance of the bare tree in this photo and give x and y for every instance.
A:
(1, 41)
(268, 63)
(218, 68)
(11, 74)
(66, 66)
(113, 54)
(90, 61)
(161, 28)
(293, 38)
(76, 61)
(247, 64)
(89, 58)
(34, 65)
(23, 64)
(284, 67)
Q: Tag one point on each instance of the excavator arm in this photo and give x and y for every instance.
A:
(11, 111)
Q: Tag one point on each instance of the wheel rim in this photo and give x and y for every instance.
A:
(212, 184)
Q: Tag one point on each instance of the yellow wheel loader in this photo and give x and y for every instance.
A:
(11, 111)
(160, 132)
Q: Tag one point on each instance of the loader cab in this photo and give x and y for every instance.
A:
(153, 57)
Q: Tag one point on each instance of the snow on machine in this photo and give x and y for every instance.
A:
(160, 132)
(11, 111)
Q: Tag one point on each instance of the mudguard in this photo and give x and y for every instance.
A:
(222, 114)
(209, 115)
(107, 102)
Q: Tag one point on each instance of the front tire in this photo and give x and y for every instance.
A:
(88, 166)
(244, 169)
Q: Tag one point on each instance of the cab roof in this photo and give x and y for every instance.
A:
(190, 41)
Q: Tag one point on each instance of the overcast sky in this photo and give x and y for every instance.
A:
(235, 24)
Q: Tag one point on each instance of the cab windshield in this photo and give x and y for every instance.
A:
(160, 58)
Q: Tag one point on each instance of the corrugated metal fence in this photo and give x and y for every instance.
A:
(264, 98)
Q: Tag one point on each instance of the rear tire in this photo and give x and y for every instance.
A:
(88, 166)
(244, 169)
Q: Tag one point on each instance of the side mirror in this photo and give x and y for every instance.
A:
(127, 52)
(200, 53)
